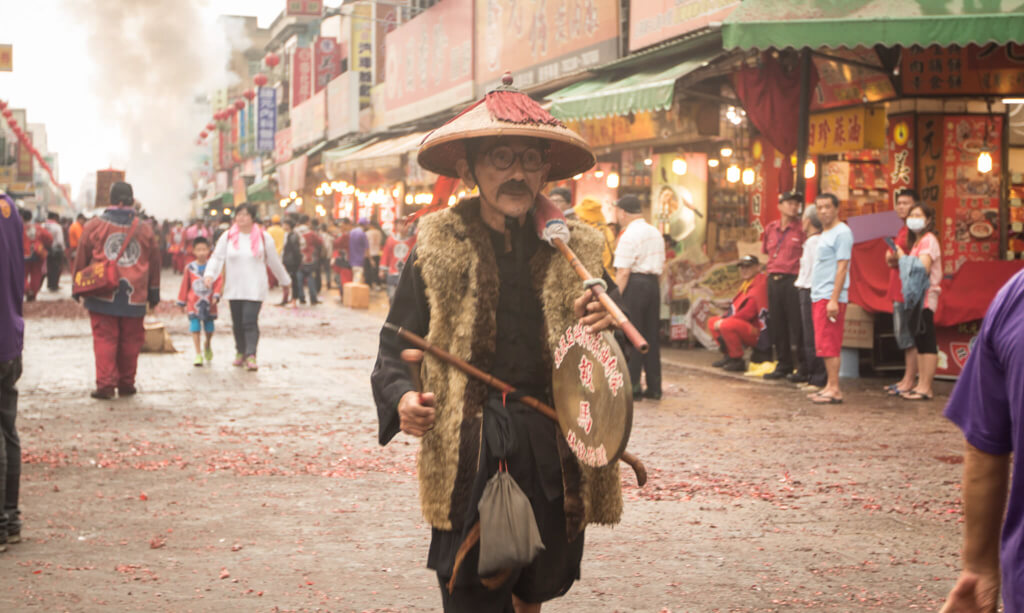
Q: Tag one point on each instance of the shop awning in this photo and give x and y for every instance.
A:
(780, 24)
(332, 158)
(222, 199)
(384, 154)
(649, 90)
(260, 192)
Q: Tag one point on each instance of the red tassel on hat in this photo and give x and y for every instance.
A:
(513, 106)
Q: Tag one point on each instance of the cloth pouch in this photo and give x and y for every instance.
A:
(509, 537)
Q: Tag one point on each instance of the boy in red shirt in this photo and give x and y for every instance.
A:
(742, 325)
(199, 300)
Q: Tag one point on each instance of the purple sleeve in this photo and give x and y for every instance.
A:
(980, 403)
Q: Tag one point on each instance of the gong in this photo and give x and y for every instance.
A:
(593, 395)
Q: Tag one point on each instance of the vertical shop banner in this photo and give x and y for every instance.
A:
(929, 138)
(308, 120)
(899, 145)
(304, 8)
(430, 61)
(326, 62)
(266, 119)
(302, 75)
(343, 105)
(387, 22)
(679, 202)
(542, 41)
(6, 58)
(652, 21)
(969, 216)
(764, 195)
(25, 160)
(362, 50)
(283, 145)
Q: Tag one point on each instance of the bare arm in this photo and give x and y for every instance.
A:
(622, 278)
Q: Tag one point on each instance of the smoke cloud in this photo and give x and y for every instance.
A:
(155, 60)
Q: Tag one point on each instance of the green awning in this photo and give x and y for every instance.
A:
(260, 192)
(226, 199)
(781, 24)
(649, 90)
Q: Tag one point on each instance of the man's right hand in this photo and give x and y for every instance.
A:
(416, 413)
(973, 593)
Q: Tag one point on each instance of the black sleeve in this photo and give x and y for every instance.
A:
(390, 379)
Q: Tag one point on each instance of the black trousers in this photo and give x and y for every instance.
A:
(245, 315)
(784, 321)
(642, 299)
(10, 449)
(54, 264)
(812, 365)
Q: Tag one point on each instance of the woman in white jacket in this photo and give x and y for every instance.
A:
(244, 252)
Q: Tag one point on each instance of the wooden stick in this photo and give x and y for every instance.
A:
(613, 309)
(634, 462)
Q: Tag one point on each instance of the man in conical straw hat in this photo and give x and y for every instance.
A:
(482, 285)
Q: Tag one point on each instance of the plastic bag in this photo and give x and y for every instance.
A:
(509, 537)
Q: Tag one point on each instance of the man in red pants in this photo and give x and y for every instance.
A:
(742, 325)
(37, 245)
(117, 330)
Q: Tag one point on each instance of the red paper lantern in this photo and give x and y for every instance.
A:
(272, 59)
(7, 113)
(249, 94)
(239, 104)
(3, 105)
(210, 126)
(203, 134)
(260, 80)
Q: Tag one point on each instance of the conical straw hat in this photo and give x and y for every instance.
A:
(506, 111)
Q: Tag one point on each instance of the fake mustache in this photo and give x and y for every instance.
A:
(514, 187)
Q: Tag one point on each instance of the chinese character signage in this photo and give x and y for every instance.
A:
(6, 58)
(266, 119)
(362, 49)
(542, 41)
(283, 145)
(343, 105)
(302, 75)
(969, 230)
(25, 160)
(846, 130)
(842, 84)
(972, 70)
(900, 147)
(326, 62)
(652, 21)
(304, 8)
(430, 61)
(308, 120)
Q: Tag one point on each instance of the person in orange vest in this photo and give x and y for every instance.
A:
(37, 245)
(742, 325)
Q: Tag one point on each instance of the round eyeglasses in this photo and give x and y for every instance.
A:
(504, 157)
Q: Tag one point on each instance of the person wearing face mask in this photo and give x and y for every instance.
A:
(924, 248)
(481, 284)
(243, 253)
(905, 200)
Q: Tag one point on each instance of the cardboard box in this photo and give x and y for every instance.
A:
(356, 295)
(858, 328)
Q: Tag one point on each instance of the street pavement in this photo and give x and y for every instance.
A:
(217, 489)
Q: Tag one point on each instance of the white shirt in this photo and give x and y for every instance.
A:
(803, 280)
(57, 232)
(245, 274)
(374, 239)
(641, 249)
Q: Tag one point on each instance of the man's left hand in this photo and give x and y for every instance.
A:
(832, 310)
(592, 313)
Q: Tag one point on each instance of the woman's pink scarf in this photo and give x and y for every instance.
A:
(255, 237)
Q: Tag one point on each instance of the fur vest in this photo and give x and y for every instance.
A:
(456, 260)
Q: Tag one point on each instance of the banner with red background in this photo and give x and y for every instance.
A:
(302, 75)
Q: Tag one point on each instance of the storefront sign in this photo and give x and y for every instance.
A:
(969, 231)
(972, 70)
(6, 58)
(955, 344)
(308, 120)
(639, 127)
(542, 41)
(362, 49)
(652, 21)
(899, 145)
(846, 130)
(283, 145)
(291, 177)
(842, 84)
(764, 196)
(343, 105)
(326, 62)
(304, 8)
(387, 22)
(266, 119)
(25, 159)
(430, 61)
(928, 134)
(302, 75)
(679, 202)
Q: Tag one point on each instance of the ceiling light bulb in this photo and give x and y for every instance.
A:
(748, 176)
(809, 169)
(599, 174)
(713, 163)
(648, 161)
(732, 175)
(613, 180)
(984, 161)
(679, 166)
(293, 195)
(726, 152)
